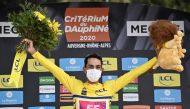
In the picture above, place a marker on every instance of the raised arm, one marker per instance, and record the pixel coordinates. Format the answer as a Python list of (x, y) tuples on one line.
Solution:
[(131, 75), (63, 77)]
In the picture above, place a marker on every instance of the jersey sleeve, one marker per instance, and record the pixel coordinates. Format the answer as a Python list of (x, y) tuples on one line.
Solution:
[(129, 76), (63, 77)]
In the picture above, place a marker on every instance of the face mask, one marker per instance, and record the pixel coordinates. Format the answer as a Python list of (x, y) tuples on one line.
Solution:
[(93, 75)]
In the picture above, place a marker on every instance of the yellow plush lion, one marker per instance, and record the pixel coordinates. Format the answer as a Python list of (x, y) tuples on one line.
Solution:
[(167, 41)]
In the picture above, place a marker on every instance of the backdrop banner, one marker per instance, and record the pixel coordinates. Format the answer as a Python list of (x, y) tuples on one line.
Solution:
[(119, 32)]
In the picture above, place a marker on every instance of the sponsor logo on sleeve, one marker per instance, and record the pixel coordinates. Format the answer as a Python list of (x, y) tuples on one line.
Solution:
[(133, 62), (109, 64), (167, 95), (167, 80), (71, 64), (35, 66), (5, 80), (11, 97)]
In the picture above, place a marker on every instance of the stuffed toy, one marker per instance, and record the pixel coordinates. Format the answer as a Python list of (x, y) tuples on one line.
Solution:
[(167, 41)]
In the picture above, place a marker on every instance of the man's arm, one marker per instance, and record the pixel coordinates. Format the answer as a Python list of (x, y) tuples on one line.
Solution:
[(131, 75), (63, 77)]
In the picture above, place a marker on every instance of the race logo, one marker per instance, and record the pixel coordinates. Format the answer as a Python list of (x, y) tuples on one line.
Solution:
[(5, 82), (89, 25), (167, 79), (109, 64), (35, 66)]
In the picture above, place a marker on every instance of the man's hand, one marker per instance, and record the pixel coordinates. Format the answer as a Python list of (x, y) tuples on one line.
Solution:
[(30, 48)]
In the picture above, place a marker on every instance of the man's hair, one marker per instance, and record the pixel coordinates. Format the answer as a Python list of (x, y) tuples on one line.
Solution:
[(94, 55)]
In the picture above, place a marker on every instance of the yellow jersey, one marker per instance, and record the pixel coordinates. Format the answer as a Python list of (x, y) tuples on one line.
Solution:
[(93, 96)]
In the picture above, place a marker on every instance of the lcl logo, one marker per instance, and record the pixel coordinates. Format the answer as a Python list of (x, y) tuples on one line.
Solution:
[(5, 81), (166, 78)]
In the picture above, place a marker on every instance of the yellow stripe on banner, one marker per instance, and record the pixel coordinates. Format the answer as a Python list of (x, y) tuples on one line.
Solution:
[(18, 63)]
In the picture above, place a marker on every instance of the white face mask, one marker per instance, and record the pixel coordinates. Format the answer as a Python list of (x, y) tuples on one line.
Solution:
[(93, 75)]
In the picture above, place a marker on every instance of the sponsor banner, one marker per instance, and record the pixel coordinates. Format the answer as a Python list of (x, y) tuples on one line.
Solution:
[(167, 95), (35, 66), (114, 107), (107, 78), (109, 64), (66, 98), (42, 107), (66, 107), (47, 89), (46, 80), (166, 80), (7, 30), (130, 97), (87, 25), (71, 64), (11, 97), (64, 90), (47, 98), (136, 107), (141, 28), (131, 88), (11, 108), (115, 97), (5, 82), (168, 107), (132, 62)]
